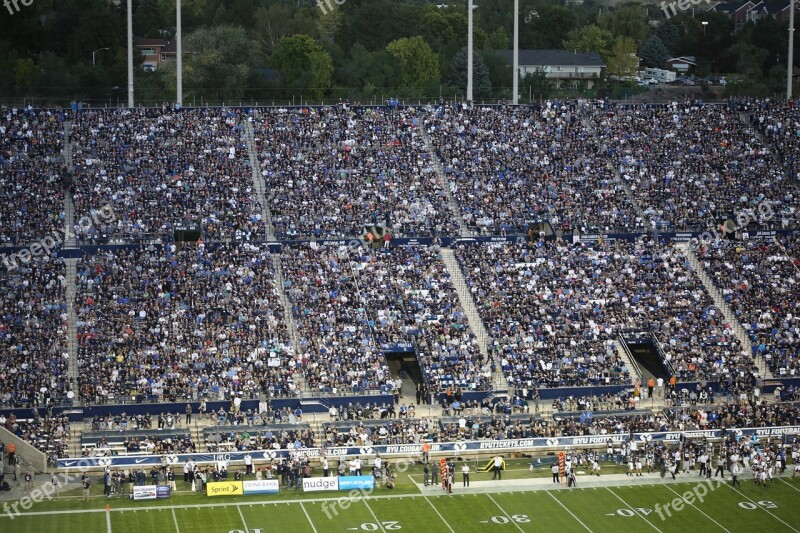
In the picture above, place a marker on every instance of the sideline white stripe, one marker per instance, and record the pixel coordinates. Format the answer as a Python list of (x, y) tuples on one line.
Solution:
[(175, 519), (570, 512), (701, 511), (422, 495), (239, 508), (505, 513), (762, 508), (440, 514), (795, 488), (633, 510), (380, 524), (303, 507)]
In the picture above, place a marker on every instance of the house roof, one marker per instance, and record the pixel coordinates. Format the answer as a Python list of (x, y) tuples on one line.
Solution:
[(689, 60), (165, 45), (776, 6), (730, 7), (554, 57)]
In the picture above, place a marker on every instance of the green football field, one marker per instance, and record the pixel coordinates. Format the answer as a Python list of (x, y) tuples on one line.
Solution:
[(618, 505)]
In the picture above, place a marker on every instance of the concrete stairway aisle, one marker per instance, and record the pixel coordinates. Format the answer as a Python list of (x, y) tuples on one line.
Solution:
[(727, 312), (471, 310), (258, 180), (266, 215), (72, 323), (70, 264), (464, 231), (634, 370), (291, 325), (619, 180)]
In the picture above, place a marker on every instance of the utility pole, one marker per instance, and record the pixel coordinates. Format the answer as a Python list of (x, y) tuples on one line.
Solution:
[(179, 66), (469, 51), (130, 53)]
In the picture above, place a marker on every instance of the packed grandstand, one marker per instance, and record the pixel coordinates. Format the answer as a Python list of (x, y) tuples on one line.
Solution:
[(510, 250)]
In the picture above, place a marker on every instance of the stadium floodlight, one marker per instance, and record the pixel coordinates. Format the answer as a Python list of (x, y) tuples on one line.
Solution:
[(791, 51), (515, 83), (528, 18), (179, 54), (469, 50), (130, 53)]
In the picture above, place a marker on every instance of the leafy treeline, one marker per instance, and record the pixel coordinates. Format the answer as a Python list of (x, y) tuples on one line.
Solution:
[(279, 50)]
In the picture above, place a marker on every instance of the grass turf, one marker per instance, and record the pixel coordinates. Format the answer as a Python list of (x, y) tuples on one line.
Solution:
[(612, 509)]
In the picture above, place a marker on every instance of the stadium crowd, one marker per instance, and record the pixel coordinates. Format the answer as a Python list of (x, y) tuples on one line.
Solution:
[(349, 302), (157, 168), (760, 281), (509, 166), (178, 325), (553, 310), (333, 171), (33, 333), (32, 175), (686, 162), (207, 321)]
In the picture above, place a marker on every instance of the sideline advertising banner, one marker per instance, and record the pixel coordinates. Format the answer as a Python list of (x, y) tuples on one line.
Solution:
[(225, 488), (356, 482), (266, 486), (145, 492), (319, 484), (162, 491)]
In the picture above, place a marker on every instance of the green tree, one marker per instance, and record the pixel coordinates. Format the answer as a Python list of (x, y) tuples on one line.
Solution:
[(499, 39), (653, 52), (481, 83), (590, 38), (298, 58), (419, 65), (669, 34), (622, 59), (629, 21), (220, 63), (538, 84), (25, 71), (547, 30), (750, 60), (276, 22)]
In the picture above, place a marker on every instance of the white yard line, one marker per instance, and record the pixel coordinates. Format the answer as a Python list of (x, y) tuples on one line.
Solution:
[(700, 510), (440, 514), (239, 508), (108, 520), (429, 503), (505, 513), (570, 512), (303, 507), (380, 524), (795, 488), (175, 519), (633, 510), (773, 515)]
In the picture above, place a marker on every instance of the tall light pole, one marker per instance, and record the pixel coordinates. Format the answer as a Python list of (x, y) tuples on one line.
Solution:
[(95, 53), (469, 51), (515, 84), (791, 51), (130, 53), (179, 53)]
